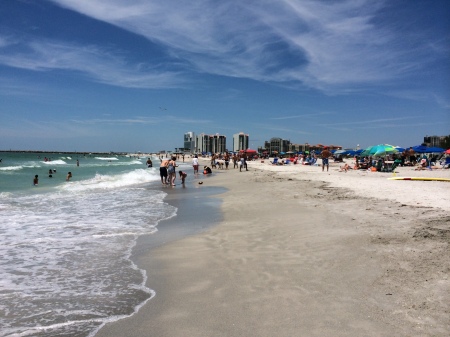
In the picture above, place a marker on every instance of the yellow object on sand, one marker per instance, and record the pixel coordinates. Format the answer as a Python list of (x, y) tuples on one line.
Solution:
[(420, 178)]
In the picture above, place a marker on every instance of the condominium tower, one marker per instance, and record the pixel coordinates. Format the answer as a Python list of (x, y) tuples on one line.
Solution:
[(240, 142)]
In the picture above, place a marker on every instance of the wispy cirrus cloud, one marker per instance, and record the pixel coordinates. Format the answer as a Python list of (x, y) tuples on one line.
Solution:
[(330, 46), (97, 64), (140, 120), (371, 121), (302, 116)]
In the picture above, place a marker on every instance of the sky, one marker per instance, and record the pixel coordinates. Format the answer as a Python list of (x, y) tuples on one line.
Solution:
[(135, 75)]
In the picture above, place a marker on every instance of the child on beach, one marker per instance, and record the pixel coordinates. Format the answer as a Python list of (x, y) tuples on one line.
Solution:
[(183, 176)]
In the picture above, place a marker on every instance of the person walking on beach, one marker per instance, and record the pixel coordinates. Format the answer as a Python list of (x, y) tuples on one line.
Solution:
[(325, 157), (36, 180), (195, 164), (235, 160), (227, 160), (243, 162), (163, 171)]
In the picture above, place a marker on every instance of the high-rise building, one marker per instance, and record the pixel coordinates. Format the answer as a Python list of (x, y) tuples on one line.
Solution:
[(434, 141), (189, 141), (218, 143), (240, 141), (211, 143), (278, 145), (202, 143)]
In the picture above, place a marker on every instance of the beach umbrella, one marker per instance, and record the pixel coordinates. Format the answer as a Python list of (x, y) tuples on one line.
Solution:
[(425, 149), (385, 149), (379, 150), (345, 152), (435, 150)]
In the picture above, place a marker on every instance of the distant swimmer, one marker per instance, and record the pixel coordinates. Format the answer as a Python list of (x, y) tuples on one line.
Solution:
[(149, 163), (69, 175), (36, 180), (78, 162)]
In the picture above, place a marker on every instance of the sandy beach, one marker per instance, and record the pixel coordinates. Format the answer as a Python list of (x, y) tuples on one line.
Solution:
[(301, 252)]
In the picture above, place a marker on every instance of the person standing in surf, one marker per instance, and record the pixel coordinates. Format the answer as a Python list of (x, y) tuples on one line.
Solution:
[(163, 171), (195, 164), (171, 171)]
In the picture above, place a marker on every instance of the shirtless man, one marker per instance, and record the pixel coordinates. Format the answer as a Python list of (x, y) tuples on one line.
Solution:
[(325, 155), (163, 171)]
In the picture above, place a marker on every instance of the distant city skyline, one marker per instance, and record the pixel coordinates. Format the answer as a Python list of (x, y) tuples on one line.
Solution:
[(129, 76)]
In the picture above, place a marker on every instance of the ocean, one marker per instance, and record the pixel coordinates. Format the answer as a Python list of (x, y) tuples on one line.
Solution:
[(65, 246)]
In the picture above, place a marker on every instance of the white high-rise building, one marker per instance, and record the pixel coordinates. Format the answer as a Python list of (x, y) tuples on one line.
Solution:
[(190, 141), (240, 141)]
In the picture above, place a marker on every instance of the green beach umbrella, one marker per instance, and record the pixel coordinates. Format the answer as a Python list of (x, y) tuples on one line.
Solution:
[(379, 150)]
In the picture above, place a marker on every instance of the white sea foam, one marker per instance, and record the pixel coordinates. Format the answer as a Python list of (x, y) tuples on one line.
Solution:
[(65, 255), (11, 168), (135, 177), (106, 158), (54, 162)]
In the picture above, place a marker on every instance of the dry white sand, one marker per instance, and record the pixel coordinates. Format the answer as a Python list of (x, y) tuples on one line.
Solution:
[(302, 252)]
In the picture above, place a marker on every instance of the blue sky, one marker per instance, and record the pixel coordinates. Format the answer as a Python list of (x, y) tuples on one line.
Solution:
[(135, 75)]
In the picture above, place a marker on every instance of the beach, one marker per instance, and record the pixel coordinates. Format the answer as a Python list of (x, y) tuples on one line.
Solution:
[(301, 252)]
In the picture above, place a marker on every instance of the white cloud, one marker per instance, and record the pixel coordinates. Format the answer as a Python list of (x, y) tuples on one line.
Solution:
[(333, 46), (325, 45), (141, 120), (98, 64)]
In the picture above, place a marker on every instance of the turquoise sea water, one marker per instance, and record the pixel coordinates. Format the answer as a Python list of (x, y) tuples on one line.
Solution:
[(65, 246)]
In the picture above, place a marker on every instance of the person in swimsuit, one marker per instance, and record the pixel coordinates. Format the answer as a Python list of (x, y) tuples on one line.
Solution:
[(163, 171)]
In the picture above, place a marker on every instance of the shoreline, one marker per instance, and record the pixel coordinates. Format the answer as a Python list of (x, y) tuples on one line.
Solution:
[(301, 257)]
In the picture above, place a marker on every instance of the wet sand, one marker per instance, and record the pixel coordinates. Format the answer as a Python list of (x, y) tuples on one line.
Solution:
[(300, 252)]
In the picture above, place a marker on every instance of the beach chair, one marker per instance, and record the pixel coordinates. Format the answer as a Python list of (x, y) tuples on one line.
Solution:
[(287, 162), (275, 161), (394, 166), (379, 165)]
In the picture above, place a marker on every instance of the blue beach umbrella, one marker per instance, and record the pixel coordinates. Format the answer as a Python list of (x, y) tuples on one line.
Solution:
[(425, 149)]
